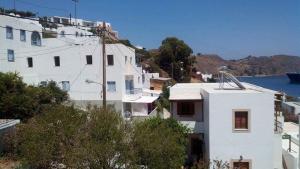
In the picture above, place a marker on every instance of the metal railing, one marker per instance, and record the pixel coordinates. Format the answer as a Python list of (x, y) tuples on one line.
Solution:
[(134, 91), (278, 126)]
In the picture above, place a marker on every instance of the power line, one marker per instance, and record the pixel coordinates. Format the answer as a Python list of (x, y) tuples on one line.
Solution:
[(49, 49), (41, 54)]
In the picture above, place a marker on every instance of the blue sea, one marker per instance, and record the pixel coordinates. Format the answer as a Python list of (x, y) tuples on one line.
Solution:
[(278, 83)]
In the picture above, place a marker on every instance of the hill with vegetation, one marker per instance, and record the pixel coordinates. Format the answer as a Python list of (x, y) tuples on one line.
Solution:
[(249, 66)]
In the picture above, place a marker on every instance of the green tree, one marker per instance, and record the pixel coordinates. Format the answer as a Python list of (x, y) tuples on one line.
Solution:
[(107, 143), (20, 101), (160, 143), (66, 136), (175, 58), (52, 138)]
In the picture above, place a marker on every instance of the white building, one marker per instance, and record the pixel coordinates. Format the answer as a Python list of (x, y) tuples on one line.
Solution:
[(72, 60), (229, 124), (82, 24)]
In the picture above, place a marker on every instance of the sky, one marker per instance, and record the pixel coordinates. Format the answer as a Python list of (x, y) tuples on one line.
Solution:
[(230, 28)]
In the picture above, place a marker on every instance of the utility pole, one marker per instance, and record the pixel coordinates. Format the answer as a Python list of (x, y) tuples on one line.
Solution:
[(102, 35), (75, 14), (15, 5)]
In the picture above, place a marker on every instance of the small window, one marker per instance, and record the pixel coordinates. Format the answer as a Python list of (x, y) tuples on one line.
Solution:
[(241, 120), (130, 60), (89, 59), (22, 35), (65, 85), (139, 79), (36, 39), (143, 78), (185, 108), (111, 86), (125, 59), (110, 60), (10, 55), (62, 34), (241, 165), (9, 32), (30, 62), (56, 61)]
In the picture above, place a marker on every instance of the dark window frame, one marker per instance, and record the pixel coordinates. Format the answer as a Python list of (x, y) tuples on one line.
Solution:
[(241, 120), (30, 62), (89, 59), (9, 29), (110, 60), (22, 35), (12, 52), (185, 108), (56, 61)]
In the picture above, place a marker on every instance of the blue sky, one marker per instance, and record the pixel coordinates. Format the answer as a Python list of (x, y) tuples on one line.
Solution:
[(229, 28)]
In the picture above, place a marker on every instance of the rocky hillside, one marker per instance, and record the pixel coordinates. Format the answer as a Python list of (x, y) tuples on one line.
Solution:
[(249, 66)]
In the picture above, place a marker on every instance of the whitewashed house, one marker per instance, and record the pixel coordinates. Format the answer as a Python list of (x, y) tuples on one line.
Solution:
[(72, 61), (229, 123)]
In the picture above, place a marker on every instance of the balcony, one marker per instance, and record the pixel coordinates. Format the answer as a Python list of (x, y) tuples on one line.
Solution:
[(133, 94)]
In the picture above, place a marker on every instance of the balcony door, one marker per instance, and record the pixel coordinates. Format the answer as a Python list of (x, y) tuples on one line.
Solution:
[(129, 85)]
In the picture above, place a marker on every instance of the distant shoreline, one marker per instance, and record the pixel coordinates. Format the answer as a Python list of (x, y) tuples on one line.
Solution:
[(262, 75)]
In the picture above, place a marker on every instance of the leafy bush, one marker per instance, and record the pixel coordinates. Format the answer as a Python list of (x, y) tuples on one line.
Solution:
[(20, 101)]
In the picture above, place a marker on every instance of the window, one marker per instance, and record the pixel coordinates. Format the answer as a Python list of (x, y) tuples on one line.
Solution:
[(111, 86), (241, 165), (36, 39), (9, 32), (22, 35), (139, 79), (65, 85), (125, 59), (30, 62), (241, 120), (10, 55), (130, 60), (62, 34), (76, 34), (185, 108), (89, 59), (56, 61), (110, 60)]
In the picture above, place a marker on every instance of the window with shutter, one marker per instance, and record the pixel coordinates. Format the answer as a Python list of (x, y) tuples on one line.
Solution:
[(241, 120)]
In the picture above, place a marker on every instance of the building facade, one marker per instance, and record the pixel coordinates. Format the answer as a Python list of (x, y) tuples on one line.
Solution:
[(74, 62), (229, 124)]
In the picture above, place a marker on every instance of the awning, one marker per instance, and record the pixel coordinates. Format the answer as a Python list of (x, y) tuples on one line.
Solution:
[(187, 96), (143, 99)]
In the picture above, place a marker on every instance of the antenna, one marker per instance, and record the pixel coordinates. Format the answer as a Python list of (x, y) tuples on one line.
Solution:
[(225, 77)]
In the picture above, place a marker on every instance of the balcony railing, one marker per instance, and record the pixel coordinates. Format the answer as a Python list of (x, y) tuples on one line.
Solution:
[(134, 93), (278, 127)]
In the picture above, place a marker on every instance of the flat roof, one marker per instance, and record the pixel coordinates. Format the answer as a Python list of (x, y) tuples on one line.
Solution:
[(227, 88)]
